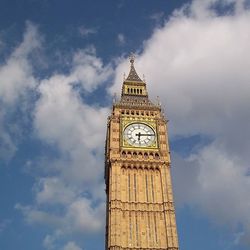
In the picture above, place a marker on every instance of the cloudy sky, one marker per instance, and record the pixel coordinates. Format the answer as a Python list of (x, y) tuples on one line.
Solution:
[(61, 62)]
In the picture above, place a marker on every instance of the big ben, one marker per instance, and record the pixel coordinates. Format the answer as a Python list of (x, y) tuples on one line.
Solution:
[(140, 210)]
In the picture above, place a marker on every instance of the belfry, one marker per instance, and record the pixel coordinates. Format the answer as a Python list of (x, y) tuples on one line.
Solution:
[(140, 210)]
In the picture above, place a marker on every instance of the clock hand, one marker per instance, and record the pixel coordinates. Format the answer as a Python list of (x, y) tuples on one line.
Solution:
[(139, 136), (146, 134)]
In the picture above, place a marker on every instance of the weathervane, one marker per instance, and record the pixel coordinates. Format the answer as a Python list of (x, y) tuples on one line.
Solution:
[(132, 58)]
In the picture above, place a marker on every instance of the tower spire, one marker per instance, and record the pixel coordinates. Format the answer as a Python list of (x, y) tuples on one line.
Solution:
[(133, 85), (133, 76)]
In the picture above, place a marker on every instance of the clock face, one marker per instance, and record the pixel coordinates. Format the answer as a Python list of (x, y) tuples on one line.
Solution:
[(139, 135)]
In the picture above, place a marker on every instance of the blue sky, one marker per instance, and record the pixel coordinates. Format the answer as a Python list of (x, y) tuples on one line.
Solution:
[(61, 62)]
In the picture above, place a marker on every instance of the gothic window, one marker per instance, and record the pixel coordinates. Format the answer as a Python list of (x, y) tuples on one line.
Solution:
[(130, 228), (137, 233), (152, 186), (148, 228), (140, 91), (146, 183), (135, 186), (156, 240), (129, 187)]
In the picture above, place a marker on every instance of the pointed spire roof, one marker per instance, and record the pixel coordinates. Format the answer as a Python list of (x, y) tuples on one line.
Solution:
[(133, 85), (134, 91), (133, 76)]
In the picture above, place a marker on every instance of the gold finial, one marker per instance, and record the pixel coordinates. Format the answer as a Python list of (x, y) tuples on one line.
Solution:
[(132, 58)]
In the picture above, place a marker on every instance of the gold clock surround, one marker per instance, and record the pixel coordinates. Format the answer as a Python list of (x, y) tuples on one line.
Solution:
[(127, 122)]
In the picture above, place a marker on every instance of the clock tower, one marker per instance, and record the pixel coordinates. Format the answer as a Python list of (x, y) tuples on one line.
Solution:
[(140, 209)]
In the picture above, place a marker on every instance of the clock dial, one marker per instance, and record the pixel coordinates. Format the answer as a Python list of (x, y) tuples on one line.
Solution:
[(139, 135)]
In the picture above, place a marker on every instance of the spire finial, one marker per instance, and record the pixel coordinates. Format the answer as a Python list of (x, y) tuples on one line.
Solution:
[(132, 76), (132, 58)]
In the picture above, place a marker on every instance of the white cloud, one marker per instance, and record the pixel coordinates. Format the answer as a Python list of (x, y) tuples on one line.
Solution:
[(7, 145), (33, 215), (71, 246), (83, 217), (198, 63), (16, 74), (217, 183), (84, 31), (16, 82), (52, 190), (77, 131), (158, 17), (48, 242), (4, 224), (121, 39), (76, 128), (89, 70)]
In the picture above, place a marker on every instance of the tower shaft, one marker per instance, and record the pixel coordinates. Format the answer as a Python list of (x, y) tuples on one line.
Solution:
[(140, 208)]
